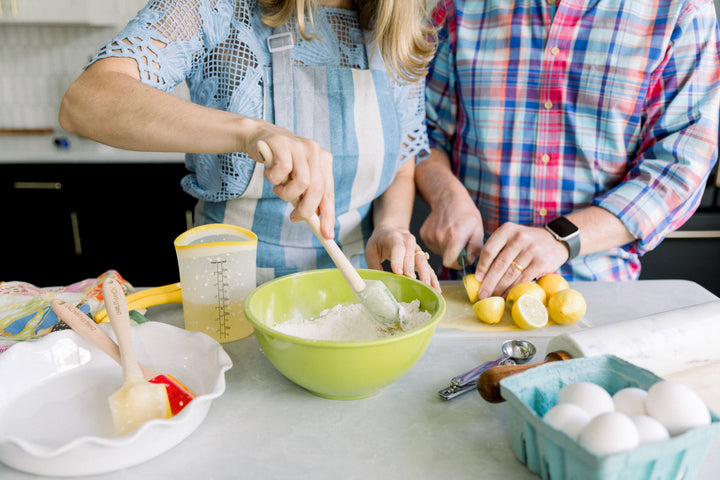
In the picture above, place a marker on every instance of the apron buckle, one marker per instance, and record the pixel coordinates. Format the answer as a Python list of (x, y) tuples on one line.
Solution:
[(280, 41)]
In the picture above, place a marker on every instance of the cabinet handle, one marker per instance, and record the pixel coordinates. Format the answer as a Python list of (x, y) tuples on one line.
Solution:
[(694, 234), (76, 233), (37, 185)]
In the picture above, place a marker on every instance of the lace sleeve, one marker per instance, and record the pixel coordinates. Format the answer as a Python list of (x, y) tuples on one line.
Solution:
[(168, 38), (410, 99)]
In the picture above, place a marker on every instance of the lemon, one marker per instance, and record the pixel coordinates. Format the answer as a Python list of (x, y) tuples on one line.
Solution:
[(472, 287), (528, 312), (520, 289), (566, 306), (551, 283), (490, 310)]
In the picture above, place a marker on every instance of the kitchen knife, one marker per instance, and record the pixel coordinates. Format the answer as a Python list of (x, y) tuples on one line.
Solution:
[(462, 260)]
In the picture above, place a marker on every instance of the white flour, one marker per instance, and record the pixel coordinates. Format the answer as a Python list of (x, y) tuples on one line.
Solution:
[(349, 322)]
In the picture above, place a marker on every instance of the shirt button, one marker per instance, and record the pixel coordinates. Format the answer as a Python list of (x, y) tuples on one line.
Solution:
[(542, 212), (555, 50), (545, 158), (548, 105)]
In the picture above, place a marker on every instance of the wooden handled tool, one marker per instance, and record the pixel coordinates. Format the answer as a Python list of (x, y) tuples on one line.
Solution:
[(178, 394), (489, 382), (138, 400)]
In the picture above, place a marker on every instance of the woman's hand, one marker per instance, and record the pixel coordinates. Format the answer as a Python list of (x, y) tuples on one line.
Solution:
[(300, 170), (401, 249)]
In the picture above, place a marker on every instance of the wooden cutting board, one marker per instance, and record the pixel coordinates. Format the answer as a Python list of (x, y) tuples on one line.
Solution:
[(459, 314)]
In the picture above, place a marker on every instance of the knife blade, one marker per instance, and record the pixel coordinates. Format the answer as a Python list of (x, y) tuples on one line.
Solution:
[(462, 260)]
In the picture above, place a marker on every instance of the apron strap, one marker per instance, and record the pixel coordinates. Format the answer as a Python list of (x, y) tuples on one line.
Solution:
[(280, 44)]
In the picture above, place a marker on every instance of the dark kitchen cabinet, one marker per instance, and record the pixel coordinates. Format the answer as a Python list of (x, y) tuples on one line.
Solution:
[(66, 222)]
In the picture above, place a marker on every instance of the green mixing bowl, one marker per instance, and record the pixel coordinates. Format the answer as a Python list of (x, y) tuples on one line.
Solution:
[(336, 369)]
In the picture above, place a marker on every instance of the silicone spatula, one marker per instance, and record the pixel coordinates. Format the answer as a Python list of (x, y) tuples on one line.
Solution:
[(137, 401), (178, 394)]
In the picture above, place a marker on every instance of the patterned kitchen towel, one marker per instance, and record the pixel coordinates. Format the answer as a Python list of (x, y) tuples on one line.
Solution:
[(25, 311)]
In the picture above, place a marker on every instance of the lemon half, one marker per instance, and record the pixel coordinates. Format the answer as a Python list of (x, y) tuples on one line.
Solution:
[(490, 310), (472, 287), (529, 313)]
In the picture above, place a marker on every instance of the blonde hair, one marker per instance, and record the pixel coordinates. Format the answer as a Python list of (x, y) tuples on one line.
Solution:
[(400, 28)]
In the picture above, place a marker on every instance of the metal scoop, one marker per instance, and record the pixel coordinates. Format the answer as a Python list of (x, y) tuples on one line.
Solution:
[(514, 351)]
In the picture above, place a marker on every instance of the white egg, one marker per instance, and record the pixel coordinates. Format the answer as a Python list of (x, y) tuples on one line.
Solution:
[(608, 433), (630, 401), (649, 429), (591, 397), (567, 417), (676, 406)]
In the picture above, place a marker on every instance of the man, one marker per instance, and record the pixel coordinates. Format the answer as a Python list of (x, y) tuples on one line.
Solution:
[(567, 136)]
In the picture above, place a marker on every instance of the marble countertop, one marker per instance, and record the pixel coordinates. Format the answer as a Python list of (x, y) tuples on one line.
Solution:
[(43, 149), (266, 427)]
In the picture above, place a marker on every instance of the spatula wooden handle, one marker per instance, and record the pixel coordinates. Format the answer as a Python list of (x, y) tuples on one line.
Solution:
[(117, 309), (341, 261), (90, 331), (489, 382)]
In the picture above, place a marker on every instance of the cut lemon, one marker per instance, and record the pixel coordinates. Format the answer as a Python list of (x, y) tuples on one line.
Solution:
[(472, 287), (490, 310), (529, 313), (566, 306), (520, 289), (552, 283)]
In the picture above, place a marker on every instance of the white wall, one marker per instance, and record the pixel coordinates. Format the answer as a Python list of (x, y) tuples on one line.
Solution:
[(38, 63)]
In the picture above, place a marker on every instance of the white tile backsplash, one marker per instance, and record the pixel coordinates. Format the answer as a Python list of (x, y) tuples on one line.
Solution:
[(38, 63)]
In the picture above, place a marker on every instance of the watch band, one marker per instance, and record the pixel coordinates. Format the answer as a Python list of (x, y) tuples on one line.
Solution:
[(573, 244), (565, 231)]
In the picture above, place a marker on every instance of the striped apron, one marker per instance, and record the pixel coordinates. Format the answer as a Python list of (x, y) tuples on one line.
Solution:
[(348, 112)]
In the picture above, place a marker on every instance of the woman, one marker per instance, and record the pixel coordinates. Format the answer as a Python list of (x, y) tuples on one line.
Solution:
[(343, 125)]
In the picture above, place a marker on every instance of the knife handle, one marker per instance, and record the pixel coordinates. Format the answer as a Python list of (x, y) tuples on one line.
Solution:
[(489, 382)]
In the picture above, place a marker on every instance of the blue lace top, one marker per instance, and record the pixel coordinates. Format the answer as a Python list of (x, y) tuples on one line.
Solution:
[(219, 47)]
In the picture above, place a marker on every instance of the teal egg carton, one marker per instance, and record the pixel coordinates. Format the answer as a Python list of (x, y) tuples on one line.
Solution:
[(552, 454)]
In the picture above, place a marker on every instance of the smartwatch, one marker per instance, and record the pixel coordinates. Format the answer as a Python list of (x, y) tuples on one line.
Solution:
[(567, 232)]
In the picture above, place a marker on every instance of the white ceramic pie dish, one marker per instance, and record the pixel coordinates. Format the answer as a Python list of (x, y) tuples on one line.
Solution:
[(54, 413)]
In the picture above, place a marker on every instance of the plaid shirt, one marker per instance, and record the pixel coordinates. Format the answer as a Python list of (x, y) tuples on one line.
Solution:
[(546, 110)]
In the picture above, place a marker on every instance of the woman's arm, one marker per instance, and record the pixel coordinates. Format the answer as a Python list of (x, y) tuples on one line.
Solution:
[(391, 238), (108, 103)]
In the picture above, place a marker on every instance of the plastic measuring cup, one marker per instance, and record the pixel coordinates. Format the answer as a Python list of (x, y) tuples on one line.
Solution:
[(217, 272)]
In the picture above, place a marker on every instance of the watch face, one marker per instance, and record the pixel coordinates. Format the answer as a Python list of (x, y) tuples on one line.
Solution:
[(562, 227)]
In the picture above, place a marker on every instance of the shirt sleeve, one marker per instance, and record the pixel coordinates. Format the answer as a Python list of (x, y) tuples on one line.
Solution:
[(664, 186), (183, 28), (441, 100)]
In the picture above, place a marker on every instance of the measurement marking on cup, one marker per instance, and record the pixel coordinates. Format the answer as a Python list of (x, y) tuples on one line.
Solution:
[(223, 314)]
